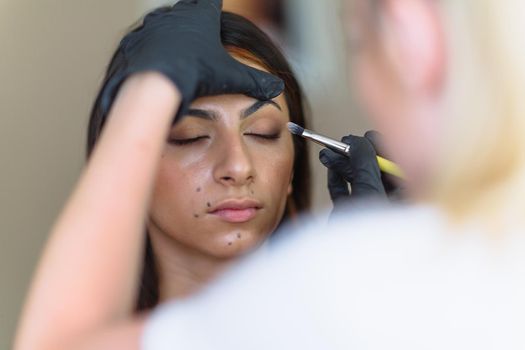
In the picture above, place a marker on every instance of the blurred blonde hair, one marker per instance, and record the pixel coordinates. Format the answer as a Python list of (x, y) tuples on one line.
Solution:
[(481, 170)]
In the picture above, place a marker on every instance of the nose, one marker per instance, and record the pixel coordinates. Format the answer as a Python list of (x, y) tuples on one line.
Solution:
[(234, 166)]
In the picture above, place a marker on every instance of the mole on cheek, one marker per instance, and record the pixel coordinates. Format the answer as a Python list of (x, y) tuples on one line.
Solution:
[(239, 235), (196, 216), (229, 243), (198, 189), (208, 204)]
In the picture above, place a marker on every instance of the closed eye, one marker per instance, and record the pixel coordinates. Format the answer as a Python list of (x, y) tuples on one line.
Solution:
[(188, 141), (274, 136)]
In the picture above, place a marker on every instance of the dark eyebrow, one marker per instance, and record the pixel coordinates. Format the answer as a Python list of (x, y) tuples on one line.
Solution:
[(258, 105), (210, 115), (201, 113)]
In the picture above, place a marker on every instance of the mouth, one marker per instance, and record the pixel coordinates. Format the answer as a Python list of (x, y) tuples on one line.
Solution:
[(236, 210)]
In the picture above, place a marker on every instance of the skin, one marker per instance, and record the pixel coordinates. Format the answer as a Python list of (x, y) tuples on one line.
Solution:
[(205, 162), (95, 248)]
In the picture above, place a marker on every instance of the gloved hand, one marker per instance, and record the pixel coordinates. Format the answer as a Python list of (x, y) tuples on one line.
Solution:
[(183, 43), (360, 170), (392, 184)]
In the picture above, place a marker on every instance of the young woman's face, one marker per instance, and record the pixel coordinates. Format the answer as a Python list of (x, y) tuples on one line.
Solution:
[(225, 175)]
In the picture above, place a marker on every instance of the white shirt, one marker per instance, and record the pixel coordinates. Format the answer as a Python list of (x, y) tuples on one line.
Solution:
[(393, 279)]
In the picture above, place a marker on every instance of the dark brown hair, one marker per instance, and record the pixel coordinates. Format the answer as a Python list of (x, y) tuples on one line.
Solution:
[(243, 38)]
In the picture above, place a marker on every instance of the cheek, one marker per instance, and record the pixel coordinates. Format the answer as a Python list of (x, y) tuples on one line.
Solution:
[(274, 170), (178, 187)]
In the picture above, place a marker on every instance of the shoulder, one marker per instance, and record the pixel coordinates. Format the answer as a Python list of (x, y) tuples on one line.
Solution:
[(393, 229), (378, 279), (287, 291)]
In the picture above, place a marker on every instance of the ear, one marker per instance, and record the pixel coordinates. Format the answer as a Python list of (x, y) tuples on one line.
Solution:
[(415, 42)]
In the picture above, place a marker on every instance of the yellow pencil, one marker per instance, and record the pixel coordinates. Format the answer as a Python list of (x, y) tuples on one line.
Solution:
[(389, 167)]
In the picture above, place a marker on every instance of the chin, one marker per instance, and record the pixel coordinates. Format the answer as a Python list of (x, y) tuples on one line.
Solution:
[(236, 244)]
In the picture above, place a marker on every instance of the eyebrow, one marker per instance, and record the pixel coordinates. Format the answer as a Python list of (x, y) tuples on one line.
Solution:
[(201, 113), (211, 115), (258, 105)]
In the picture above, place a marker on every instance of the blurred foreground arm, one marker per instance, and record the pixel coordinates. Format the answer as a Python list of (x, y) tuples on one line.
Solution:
[(84, 289), (87, 277)]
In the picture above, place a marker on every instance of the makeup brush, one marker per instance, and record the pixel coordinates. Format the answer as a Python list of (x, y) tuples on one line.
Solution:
[(385, 165)]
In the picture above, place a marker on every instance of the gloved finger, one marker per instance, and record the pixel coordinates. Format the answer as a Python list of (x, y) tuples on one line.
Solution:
[(390, 182), (216, 4), (252, 82), (337, 186), (153, 15), (360, 147), (187, 2), (335, 162), (339, 173), (262, 85), (375, 139)]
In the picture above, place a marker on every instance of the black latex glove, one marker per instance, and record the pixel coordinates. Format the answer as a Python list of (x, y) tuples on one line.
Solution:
[(360, 170), (393, 185), (183, 43)]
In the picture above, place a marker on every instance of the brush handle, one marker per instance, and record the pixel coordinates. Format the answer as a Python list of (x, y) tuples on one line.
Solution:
[(385, 165), (389, 167)]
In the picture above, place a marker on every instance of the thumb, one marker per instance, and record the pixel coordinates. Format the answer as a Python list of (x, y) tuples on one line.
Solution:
[(254, 83), (216, 4)]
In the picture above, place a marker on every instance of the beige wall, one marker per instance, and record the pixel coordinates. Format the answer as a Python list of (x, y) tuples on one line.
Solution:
[(52, 55)]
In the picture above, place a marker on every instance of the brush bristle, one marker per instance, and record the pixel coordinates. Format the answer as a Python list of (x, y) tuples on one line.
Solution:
[(295, 129)]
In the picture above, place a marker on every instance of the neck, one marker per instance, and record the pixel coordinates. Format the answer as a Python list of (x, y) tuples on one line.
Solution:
[(181, 269)]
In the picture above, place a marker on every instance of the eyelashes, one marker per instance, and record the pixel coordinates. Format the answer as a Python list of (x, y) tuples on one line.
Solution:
[(198, 139), (273, 136), (188, 141)]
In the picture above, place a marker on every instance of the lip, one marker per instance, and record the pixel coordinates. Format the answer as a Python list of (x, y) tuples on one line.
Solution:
[(236, 210)]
